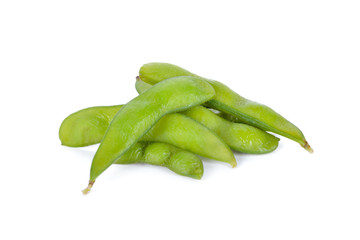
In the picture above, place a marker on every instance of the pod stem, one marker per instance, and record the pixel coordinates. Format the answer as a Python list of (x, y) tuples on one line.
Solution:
[(307, 147), (88, 188)]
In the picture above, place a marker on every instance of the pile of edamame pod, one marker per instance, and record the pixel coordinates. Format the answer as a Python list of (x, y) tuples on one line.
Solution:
[(176, 117)]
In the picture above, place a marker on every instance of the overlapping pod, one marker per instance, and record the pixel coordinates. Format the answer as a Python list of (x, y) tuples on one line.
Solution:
[(230, 102), (240, 137), (137, 117), (177, 160), (88, 126)]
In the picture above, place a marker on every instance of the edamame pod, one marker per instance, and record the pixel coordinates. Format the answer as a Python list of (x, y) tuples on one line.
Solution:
[(182, 131), (228, 101), (84, 126), (137, 117), (177, 160), (240, 137), (87, 126)]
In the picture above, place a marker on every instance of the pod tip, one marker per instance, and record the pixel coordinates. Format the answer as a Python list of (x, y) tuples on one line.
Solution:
[(233, 164), (307, 147), (195, 176), (88, 188)]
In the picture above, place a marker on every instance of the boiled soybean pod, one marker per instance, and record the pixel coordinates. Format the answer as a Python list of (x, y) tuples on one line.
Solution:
[(89, 126), (239, 137), (137, 117), (161, 154), (186, 133), (230, 102)]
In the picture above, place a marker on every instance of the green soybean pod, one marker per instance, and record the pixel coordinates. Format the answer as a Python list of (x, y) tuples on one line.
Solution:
[(186, 133), (161, 154), (230, 102), (88, 126), (137, 117), (240, 137)]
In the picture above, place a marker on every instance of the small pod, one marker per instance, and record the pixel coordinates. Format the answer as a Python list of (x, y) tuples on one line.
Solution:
[(161, 154), (230, 102)]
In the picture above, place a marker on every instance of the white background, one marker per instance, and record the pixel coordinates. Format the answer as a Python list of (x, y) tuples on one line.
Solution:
[(302, 58)]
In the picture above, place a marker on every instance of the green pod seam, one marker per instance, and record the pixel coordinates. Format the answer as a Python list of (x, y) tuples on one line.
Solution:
[(161, 154), (137, 117), (229, 117), (239, 137), (83, 127), (228, 101)]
